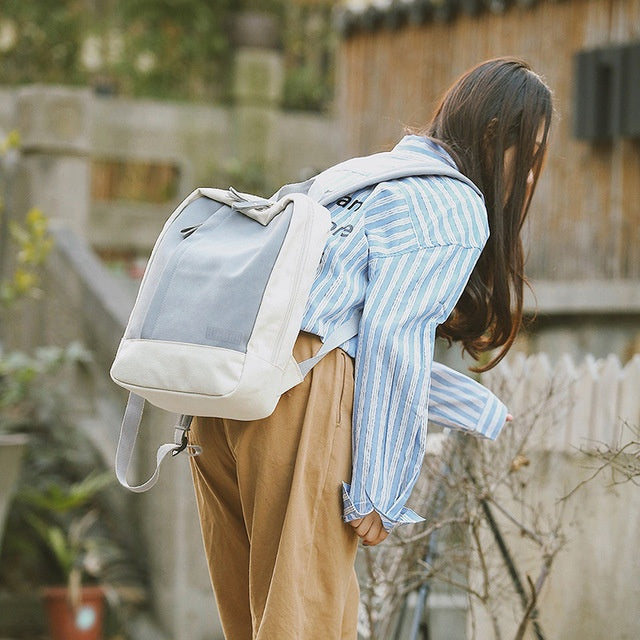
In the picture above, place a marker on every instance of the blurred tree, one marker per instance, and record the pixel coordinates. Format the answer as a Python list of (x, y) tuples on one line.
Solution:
[(176, 49), (40, 41)]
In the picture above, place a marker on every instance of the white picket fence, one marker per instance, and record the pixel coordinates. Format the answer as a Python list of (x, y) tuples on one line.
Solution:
[(567, 417), (593, 403)]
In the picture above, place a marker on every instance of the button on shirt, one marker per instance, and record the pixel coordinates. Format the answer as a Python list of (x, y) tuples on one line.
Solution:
[(400, 254)]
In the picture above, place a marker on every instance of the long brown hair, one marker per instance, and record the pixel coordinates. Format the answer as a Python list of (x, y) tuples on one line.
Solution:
[(497, 105)]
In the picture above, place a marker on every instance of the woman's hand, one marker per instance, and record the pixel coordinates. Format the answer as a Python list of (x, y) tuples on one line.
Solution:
[(370, 529)]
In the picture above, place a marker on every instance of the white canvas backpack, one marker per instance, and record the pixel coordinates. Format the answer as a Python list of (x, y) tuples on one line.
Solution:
[(222, 298)]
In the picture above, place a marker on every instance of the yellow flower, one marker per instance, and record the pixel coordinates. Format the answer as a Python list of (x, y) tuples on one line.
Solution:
[(23, 280)]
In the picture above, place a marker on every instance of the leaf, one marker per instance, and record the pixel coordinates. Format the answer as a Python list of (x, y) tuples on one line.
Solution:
[(91, 485), (58, 499)]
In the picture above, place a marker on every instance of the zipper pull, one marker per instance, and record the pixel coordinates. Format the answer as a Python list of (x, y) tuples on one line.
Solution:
[(187, 231)]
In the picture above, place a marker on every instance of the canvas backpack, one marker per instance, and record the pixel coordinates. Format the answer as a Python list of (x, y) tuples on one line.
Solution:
[(222, 299)]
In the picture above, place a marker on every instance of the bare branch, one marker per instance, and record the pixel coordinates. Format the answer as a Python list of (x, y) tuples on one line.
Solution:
[(526, 617), (521, 527)]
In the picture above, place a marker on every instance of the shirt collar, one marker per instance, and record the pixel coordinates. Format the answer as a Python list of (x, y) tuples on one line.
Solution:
[(425, 146)]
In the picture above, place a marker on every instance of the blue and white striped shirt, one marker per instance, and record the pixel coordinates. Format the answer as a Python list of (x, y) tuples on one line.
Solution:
[(400, 253)]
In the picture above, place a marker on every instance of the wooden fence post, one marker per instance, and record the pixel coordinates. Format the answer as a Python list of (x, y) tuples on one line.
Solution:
[(584, 406)]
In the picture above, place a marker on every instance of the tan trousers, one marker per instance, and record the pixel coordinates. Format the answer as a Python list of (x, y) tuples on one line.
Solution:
[(269, 497)]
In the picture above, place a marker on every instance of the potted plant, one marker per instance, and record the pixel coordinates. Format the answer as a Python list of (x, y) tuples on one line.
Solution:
[(60, 526), (32, 245), (66, 522), (66, 528)]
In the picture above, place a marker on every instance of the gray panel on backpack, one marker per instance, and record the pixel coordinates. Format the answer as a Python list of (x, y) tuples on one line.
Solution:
[(191, 216), (210, 289)]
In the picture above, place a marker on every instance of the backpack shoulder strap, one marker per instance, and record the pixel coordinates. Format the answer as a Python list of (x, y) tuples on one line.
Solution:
[(358, 173)]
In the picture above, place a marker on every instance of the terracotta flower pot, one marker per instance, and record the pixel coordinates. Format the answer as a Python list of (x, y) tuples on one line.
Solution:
[(84, 622)]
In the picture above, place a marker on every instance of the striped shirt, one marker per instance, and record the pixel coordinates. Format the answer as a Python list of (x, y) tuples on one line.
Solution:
[(400, 254)]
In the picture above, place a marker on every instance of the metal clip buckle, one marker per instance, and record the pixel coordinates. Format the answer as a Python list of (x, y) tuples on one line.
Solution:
[(184, 443), (183, 426)]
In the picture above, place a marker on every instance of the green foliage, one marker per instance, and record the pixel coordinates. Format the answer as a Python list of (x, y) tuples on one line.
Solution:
[(173, 48), (34, 245), (56, 498), (64, 527), (60, 527), (309, 49), (27, 389), (249, 177), (66, 523), (160, 48), (64, 518), (10, 142), (177, 49), (50, 525), (305, 90), (31, 239), (39, 35)]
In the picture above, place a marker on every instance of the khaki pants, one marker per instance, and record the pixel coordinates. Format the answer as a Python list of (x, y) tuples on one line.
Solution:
[(269, 497)]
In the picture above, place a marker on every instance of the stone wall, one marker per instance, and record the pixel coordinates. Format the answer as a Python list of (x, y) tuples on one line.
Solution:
[(67, 132)]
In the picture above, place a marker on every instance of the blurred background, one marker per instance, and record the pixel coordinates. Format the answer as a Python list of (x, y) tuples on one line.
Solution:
[(112, 111)]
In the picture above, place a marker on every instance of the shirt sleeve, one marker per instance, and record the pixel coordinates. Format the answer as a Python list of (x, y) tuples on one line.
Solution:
[(459, 402), (408, 295)]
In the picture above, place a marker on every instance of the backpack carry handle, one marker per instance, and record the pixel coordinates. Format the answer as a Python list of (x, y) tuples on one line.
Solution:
[(128, 434), (259, 209)]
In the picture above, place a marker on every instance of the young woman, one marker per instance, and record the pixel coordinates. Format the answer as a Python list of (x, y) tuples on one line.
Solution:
[(283, 501)]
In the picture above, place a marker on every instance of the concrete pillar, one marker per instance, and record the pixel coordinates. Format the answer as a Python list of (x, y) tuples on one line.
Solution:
[(257, 91), (55, 129)]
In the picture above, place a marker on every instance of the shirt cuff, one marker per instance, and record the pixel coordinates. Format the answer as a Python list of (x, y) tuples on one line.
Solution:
[(353, 511), (492, 419), (461, 403)]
